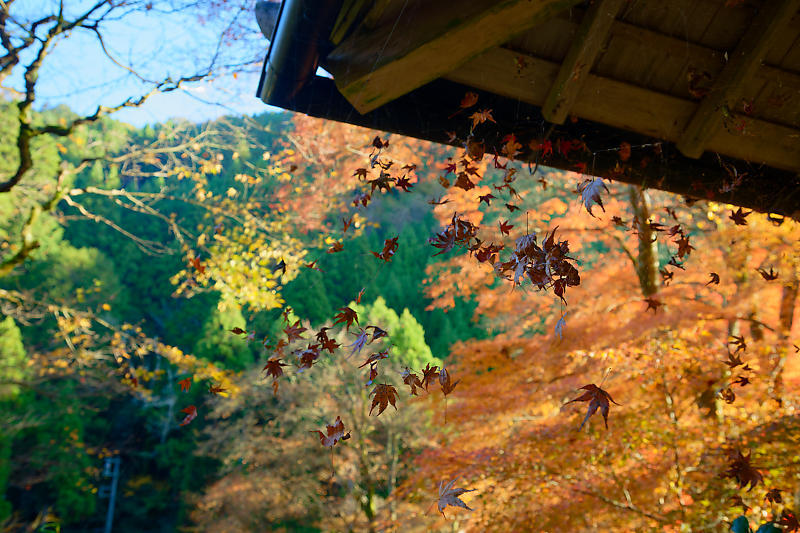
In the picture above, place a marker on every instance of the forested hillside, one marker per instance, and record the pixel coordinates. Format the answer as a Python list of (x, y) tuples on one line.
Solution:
[(280, 323), (121, 262)]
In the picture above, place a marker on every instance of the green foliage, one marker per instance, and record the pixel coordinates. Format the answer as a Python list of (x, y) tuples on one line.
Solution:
[(12, 359), (407, 338), (216, 343)]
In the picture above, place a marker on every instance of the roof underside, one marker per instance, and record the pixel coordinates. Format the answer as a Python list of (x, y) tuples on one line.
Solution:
[(715, 84)]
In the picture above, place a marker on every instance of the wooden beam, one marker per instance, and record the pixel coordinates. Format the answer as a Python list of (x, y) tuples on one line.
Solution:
[(586, 46), (774, 16), (347, 16), (628, 107), (425, 41)]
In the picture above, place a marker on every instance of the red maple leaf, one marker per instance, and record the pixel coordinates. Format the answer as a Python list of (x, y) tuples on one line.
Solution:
[(383, 396), (505, 227), (598, 399), (412, 380), (346, 316), (333, 433), (294, 331), (191, 414), (185, 384), (742, 471), (389, 249)]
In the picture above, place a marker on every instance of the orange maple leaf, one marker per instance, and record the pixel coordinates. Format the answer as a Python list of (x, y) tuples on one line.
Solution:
[(479, 117)]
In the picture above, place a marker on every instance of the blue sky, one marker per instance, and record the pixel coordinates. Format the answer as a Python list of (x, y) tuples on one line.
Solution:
[(78, 73)]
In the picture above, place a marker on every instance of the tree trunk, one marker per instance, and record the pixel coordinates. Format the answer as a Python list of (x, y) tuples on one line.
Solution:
[(647, 259), (786, 319)]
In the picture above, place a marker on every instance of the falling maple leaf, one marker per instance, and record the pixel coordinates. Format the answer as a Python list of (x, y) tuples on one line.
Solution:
[(185, 384), (429, 373), (238, 331), (742, 471), (591, 190), (739, 342), (450, 496), (280, 266), (559, 329), (375, 357), (789, 521), (377, 333), (389, 249), (769, 276), (346, 224), (684, 248), (512, 207), (333, 433), (191, 414), (274, 369), (383, 396), (741, 381), (479, 117), (199, 267), (598, 399), (444, 381), (505, 227), (739, 216), (336, 247), (346, 316), (404, 183), (653, 303), (216, 390), (412, 380), (733, 360), (487, 198), (361, 340), (294, 331), (774, 496), (714, 279)]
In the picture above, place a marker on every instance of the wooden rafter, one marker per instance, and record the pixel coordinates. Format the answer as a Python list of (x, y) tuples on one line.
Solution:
[(580, 58), (628, 107), (429, 39), (774, 16)]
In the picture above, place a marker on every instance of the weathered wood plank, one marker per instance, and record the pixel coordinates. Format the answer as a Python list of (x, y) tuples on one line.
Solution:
[(629, 107), (741, 66), (347, 16), (592, 33), (376, 66)]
